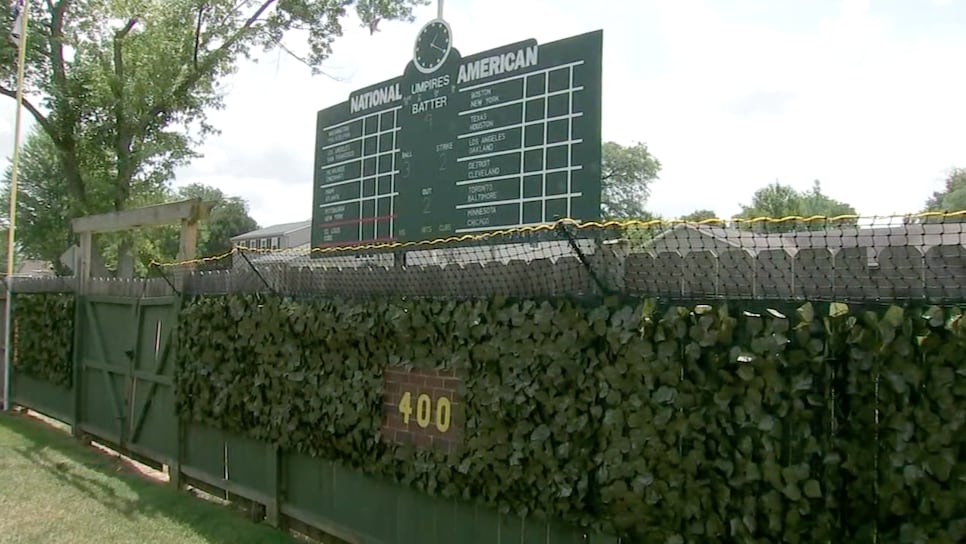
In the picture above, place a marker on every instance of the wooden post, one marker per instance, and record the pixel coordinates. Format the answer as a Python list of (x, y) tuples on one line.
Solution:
[(273, 508), (84, 261), (78, 375), (174, 469), (82, 271), (186, 212), (187, 250)]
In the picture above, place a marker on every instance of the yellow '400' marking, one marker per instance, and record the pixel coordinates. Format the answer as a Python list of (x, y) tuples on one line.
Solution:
[(424, 411)]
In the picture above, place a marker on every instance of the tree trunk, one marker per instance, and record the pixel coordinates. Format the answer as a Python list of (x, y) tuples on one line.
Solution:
[(122, 194), (72, 170), (125, 256)]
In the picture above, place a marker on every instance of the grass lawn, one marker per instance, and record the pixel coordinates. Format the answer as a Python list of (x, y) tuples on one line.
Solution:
[(54, 489)]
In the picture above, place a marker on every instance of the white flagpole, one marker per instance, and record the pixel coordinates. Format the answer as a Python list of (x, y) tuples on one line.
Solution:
[(12, 226), (439, 9)]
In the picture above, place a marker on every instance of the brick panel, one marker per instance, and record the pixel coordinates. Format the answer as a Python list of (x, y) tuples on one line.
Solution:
[(431, 399)]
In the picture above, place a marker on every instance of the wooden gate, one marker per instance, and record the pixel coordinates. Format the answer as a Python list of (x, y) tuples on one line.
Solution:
[(125, 354)]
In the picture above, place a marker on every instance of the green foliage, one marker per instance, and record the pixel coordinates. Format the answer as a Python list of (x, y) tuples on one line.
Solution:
[(123, 89), (626, 175), (699, 215), (228, 218), (679, 424), (43, 205), (43, 233), (277, 369), (917, 356), (952, 198), (777, 200), (44, 325), (718, 428)]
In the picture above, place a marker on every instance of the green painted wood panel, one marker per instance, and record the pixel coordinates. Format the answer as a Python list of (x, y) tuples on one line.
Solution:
[(247, 462), (41, 396), (107, 330), (153, 421), (204, 449), (302, 482), (379, 511)]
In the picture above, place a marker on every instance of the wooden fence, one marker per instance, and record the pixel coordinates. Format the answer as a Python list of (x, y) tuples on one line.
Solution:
[(122, 395)]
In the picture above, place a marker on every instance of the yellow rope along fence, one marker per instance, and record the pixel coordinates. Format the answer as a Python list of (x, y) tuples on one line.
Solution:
[(918, 257)]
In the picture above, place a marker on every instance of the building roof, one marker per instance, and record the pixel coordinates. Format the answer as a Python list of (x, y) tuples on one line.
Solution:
[(34, 267), (274, 230)]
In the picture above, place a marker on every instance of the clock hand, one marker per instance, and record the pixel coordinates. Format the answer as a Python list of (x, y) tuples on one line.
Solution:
[(433, 45)]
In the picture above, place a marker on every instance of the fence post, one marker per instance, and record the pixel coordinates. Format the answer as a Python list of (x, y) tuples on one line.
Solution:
[(273, 508), (6, 388), (78, 365), (174, 469)]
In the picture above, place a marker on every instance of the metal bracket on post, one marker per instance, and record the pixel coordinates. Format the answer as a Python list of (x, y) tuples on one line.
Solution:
[(583, 259), (258, 273), (399, 259)]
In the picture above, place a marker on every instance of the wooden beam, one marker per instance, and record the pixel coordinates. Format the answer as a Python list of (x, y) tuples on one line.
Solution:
[(188, 243), (83, 268), (187, 249), (149, 216)]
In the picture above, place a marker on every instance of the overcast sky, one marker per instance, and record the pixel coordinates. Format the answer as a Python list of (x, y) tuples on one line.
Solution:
[(868, 96)]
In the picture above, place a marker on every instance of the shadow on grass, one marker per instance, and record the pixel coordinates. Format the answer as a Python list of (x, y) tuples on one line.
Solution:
[(117, 486), (93, 488)]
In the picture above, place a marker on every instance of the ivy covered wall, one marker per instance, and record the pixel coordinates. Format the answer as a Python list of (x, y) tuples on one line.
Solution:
[(43, 340), (672, 424)]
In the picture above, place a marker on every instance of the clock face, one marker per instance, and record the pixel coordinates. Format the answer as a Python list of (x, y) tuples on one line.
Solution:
[(432, 46)]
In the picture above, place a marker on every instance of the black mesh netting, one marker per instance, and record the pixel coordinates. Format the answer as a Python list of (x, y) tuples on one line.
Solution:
[(891, 258)]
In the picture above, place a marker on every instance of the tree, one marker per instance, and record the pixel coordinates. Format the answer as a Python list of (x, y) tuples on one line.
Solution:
[(127, 84), (44, 208), (18, 254), (42, 205), (228, 218), (43, 230), (626, 175), (777, 201), (953, 196), (699, 215), (814, 203)]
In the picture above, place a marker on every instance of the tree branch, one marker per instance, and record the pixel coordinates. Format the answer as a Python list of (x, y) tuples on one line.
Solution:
[(123, 134), (39, 117), (306, 62), (201, 13), (57, 44), (234, 8), (63, 108), (199, 71), (121, 34)]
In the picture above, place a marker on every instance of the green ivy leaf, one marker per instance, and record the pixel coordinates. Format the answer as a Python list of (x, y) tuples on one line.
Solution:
[(838, 309), (812, 489), (893, 317), (806, 312), (540, 434)]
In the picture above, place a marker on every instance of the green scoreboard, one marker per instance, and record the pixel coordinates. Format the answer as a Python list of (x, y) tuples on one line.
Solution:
[(500, 139)]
